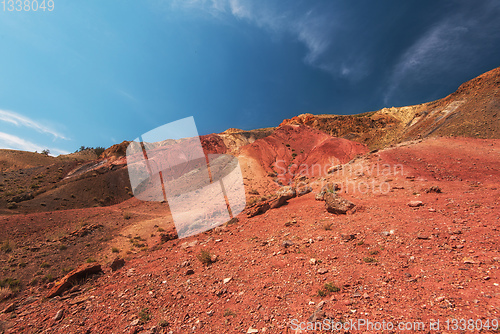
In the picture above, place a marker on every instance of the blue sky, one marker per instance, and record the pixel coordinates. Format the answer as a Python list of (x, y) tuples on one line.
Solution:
[(95, 72)]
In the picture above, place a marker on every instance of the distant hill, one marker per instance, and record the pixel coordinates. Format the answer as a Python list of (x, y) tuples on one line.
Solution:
[(472, 111)]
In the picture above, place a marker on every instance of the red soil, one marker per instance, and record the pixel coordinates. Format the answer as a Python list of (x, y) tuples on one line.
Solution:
[(391, 262)]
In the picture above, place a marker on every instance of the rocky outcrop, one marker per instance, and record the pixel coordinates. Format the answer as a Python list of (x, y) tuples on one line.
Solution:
[(81, 272), (336, 204)]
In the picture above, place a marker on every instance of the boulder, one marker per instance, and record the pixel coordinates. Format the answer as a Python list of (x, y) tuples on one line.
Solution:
[(336, 204), (258, 209), (117, 264), (81, 272), (415, 204), (283, 195), (327, 188)]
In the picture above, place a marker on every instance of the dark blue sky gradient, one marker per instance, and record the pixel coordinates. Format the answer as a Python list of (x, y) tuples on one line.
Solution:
[(95, 73)]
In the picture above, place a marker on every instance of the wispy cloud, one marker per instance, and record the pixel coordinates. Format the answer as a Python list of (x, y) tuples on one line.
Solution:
[(312, 25), (20, 120), (452, 45), (9, 141)]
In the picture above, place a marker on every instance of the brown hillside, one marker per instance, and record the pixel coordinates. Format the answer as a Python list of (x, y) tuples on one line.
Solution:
[(472, 111)]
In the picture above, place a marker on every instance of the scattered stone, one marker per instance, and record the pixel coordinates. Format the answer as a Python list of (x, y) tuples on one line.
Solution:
[(167, 236), (22, 198), (79, 273), (322, 271), (283, 195), (336, 204), (434, 189), (303, 189), (415, 204), (313, 261), (423, 237), (287, 243), (213, 258), (318, 313), (189, 272), (187, 244), (227, 280), (327, 188), (334, 169), (59, 315), (135, 322), (258, 209), (11, 307), (252, 330), (117, 264), (347, 237)]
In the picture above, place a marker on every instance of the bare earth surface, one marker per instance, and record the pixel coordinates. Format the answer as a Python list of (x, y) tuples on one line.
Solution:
[(436, 258)]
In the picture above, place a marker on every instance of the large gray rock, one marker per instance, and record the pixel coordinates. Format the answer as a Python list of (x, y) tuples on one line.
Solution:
[(283, 195), (336, 204), (327, 188)]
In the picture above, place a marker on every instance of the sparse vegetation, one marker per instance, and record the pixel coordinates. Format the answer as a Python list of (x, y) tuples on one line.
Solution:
[(127, 215), (6, 246), (322, 293), (330, 287), (205, 257), (374, 252), (327, 226), (62, 247), (145, 314), (91, 260), (97, 150), (369, 260), (48, 278), (163, 323), (5, 293), (12, 283), (44, 265), (115, 250), (229, 313)]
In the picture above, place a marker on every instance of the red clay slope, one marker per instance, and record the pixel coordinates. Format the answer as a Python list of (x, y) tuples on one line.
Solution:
[(291, 148), (391, 262)]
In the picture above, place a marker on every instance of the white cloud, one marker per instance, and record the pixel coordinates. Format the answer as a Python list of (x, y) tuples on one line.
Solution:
[(12, 142), (9, 141), (20, 120), (450, 46), (311, 25)]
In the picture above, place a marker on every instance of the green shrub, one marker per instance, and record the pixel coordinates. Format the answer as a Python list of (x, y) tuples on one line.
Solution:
[(205, 257), (6, 246), (322, 293), (144, 314), (369, 260), (229, 313), (330, 287)]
